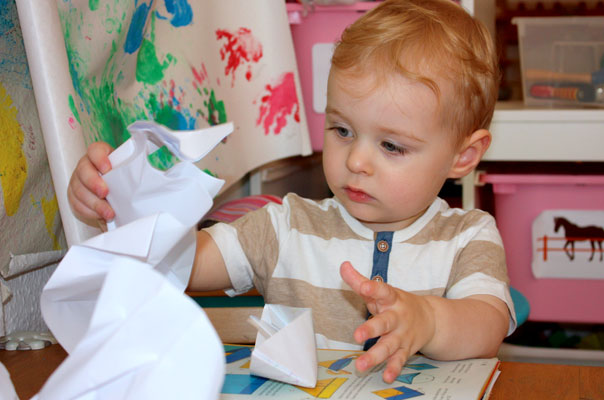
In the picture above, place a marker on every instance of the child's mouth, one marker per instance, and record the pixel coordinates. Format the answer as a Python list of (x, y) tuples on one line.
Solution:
[(357, 195)]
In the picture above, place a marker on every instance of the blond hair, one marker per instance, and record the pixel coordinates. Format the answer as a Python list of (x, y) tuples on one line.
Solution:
[(426, 41)]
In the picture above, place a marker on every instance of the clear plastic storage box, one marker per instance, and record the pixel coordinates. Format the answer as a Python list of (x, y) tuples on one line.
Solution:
[(562, 60)]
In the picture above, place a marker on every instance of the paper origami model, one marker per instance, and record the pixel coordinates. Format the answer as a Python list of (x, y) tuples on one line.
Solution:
[(116, 302), (285, 346)]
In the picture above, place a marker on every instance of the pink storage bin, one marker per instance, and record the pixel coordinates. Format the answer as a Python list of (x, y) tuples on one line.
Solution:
[(322, 24), (518, 200)]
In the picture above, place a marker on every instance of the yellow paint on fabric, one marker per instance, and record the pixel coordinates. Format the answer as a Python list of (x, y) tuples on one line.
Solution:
[(13, 164), (50, 208)]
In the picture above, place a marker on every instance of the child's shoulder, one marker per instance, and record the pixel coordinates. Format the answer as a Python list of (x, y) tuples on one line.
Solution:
[(295, 201), (325, 217), (458, 226), (462, 217)]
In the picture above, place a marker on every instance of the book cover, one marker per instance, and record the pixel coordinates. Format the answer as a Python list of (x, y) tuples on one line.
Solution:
[(421, 378)]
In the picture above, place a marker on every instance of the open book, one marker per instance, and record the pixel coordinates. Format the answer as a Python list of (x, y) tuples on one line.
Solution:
[(421, 378)]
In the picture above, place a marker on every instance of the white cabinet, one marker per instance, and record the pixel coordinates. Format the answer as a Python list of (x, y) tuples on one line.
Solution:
[(536, 134)]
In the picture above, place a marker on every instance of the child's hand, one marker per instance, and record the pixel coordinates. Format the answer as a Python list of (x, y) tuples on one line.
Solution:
[(87, 189), (404, 322)]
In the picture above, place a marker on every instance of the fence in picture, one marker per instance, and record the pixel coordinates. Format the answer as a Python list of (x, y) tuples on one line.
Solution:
[(573, 233)]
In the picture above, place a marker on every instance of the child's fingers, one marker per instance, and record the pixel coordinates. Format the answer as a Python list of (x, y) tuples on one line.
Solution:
[(103, 208), (370, 290), (98, 153), (87, 191), (352, 277), (382, 350), (379, 325), (87, 204), (87, 175), (395, 365), (382, 293), (80, 208)]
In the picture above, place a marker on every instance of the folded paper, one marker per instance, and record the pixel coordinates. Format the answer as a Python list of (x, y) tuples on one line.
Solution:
[(7, 390), (285, 349), (137, 189), (116, 302), (146, 340)]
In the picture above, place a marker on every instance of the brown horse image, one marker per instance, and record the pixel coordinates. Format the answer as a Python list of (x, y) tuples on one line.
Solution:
[(593, 234)]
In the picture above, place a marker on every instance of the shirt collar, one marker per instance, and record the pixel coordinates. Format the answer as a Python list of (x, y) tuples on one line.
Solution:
[(400, 235)]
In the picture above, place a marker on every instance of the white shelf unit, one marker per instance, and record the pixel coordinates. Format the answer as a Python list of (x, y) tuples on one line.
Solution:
[(523, 133), (520, 133)]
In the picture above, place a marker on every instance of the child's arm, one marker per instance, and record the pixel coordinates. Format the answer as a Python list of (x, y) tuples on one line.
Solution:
[(87, 190), (440, 328), (209, 270)]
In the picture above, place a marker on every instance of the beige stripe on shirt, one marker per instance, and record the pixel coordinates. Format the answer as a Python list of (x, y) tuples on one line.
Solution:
[(446, 227), (309, 218), (336, 313)]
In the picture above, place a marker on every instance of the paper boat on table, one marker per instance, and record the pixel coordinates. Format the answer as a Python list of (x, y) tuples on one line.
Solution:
[(290, 354)]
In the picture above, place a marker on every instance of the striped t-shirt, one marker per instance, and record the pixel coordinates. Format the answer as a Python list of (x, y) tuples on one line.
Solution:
[(292, 254)]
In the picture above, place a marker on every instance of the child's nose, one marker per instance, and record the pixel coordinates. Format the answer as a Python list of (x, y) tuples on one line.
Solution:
[(359, 159)]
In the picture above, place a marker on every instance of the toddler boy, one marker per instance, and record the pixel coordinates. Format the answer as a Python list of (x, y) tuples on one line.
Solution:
[(410, 97)]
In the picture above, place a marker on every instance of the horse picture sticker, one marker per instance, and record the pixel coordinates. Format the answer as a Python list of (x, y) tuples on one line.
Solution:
[(568, 244)]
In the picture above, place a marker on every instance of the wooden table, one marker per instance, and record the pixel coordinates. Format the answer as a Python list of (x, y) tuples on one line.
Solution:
[(30, 369)]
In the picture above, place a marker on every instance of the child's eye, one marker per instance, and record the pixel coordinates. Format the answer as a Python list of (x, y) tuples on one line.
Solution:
[(341, 131), (393, 148)]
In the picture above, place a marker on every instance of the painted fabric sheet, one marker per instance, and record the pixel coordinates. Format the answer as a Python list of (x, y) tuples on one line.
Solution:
[(188, 65), (29, 213), (184, 64)]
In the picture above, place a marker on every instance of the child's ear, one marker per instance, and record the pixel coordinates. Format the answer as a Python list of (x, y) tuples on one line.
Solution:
[(470, 153)]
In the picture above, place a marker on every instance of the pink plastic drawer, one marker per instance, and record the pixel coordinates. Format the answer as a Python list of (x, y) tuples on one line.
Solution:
[(518, 200), (322, 24)]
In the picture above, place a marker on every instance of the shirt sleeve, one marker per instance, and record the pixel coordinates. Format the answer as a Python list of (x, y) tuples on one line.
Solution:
[(480, 267), (248, 247)]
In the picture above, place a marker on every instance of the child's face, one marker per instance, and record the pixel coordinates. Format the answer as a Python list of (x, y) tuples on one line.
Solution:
[(386, 154)]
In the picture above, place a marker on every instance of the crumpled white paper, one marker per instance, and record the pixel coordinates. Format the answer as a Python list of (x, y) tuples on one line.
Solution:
[(290, 354), (7, 390), (116, 302), (136, 189), (146, 340)]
